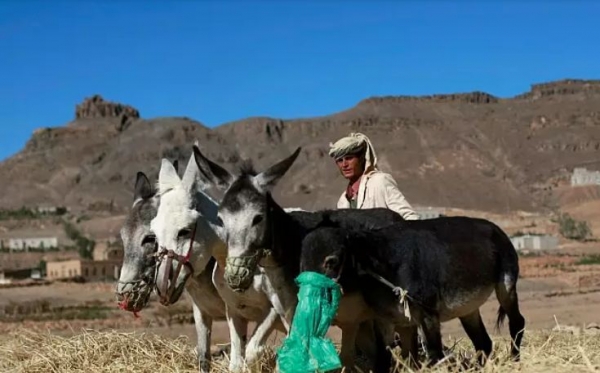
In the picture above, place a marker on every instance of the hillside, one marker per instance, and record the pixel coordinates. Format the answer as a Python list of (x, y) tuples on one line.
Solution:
[(472, 150)]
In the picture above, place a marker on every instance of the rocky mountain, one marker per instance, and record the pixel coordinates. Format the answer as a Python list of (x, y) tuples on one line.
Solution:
[(466, 150)]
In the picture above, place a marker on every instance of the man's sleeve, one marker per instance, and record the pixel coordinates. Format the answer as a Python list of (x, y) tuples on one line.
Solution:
[(396, 201)]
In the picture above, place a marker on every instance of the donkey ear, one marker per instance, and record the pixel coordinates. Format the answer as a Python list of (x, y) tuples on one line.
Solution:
[(190, 175), (212, 172), (143, 189), (167, 177), (269, 178)]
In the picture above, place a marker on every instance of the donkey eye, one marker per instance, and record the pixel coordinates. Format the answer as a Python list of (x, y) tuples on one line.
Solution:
[(149, 239), (219, 221), (184, 232), (257, 219)]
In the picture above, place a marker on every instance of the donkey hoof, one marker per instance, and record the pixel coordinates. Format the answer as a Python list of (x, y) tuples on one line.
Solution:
[(204, 366), (236, 367)]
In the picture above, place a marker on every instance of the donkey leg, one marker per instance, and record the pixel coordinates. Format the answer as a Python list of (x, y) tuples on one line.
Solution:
[(433, 337), (410, 344), (203, 323), (258, 339), (283, 299), (384, 335), (238, 327), (506, 292), (365, 339), (475, 329), (348, 350)]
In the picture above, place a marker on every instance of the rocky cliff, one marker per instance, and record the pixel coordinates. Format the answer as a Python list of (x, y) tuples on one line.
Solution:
[(97, 107)]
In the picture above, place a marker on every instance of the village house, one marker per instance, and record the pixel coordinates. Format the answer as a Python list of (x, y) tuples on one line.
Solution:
[(39, 238), (105, 251), (90, 270), (583, 176), (52, 210), (21, 265), (105, 265), (538, 242), (40, 243), (429, 212)]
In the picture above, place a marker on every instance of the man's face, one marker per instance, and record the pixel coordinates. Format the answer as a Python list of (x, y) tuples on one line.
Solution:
[(350, 166)]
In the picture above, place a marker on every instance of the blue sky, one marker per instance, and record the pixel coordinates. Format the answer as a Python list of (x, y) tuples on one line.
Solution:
[(222, 61)]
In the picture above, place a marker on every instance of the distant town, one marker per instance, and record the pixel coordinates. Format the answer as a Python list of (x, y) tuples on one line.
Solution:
[(51, 258)]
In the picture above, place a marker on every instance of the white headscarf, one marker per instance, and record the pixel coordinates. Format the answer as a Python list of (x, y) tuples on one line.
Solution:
[(354, 143)]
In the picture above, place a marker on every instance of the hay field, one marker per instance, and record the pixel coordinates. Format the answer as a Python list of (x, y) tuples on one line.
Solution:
[(163, 339), (112, 351)]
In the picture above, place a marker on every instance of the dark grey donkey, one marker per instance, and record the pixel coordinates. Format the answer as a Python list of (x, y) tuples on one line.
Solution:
[(444, 268), (261, 234), (137, 278)]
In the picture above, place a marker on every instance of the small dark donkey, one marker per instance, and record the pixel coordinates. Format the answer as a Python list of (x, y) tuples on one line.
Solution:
[(260, 233), (448, 267)]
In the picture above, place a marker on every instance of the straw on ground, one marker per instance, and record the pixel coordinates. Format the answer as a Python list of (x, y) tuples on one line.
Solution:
[(113, 351)]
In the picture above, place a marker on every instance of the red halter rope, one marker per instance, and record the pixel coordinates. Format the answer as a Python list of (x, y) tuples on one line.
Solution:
[(167, 290)]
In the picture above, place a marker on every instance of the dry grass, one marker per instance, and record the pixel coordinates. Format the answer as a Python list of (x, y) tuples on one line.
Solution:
[(91, 351)]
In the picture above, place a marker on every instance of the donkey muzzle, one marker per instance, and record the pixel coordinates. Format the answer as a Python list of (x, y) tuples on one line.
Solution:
[(133, 296), (239, 271)]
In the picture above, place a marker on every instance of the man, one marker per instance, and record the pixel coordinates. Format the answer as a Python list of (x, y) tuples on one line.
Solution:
[(367, 186)]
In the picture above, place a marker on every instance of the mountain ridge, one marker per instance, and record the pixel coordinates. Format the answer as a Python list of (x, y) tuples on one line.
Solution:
[(468, 150)]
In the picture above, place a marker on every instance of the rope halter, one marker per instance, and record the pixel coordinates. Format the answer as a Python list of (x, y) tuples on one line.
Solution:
[(166, 289)]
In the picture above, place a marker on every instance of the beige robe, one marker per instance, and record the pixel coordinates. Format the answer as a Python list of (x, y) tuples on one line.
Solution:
[(379, 189)]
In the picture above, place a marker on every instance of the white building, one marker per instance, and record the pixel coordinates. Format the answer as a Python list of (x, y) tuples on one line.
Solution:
[(582, 176), (3, 279), (46, 209), (36, 274), (535, 242), (23, 244)]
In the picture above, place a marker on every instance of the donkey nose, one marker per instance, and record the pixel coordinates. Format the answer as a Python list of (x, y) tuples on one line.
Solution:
[(122, 288), (161, 252)]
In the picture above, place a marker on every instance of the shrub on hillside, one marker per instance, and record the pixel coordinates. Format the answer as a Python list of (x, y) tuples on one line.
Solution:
[(573, 229), (85, 246)]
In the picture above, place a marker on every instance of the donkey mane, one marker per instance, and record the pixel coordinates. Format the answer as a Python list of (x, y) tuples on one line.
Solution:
[(329, 220)]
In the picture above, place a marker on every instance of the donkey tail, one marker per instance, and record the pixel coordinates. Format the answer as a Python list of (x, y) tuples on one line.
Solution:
[(508, 274), (501, 318)]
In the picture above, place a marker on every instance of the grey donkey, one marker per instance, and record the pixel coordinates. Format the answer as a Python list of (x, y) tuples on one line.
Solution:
[(137, 278)]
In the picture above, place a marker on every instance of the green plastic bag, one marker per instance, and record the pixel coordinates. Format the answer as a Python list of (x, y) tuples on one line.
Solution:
[(306, 349)]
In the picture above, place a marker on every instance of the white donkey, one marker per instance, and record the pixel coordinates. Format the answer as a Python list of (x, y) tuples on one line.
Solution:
[(188, 234), (137, 278)]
